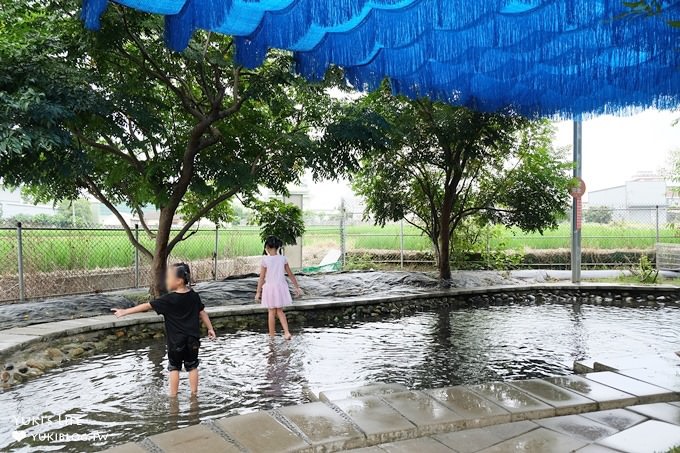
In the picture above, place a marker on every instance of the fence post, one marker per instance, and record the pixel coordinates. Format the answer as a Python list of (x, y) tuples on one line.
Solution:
[(217, 244), (20, 262), (343, 240), (657, 223), (401, 243), (137, 257)]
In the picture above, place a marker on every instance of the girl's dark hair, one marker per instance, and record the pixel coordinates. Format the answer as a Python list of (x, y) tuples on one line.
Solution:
[(272, 242), (182, 271)]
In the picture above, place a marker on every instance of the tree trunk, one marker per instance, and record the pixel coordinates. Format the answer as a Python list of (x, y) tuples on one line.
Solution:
[(445, 240), (159, 264)]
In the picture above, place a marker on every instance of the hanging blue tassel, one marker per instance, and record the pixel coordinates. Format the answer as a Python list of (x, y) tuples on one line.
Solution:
[(91, 13)]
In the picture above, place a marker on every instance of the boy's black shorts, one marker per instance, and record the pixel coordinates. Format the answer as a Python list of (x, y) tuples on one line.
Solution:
[(185, 352)]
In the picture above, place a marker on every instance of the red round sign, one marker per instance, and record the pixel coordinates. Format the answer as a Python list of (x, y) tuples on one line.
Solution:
[(579, 190)]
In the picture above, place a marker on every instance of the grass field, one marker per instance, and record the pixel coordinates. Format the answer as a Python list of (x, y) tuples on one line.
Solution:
[(49, 250)]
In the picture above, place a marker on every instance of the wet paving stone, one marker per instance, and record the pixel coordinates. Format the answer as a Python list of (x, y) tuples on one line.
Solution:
[(605, 396), (258, 431), (127, 448), (660, 411), (619, 419), (380, 422), (427, 414), (194, 439), (364, 390), (518, 403), (646, 393), (578, 427), (649, 436), (473, 440), (421, 445), (475, 409), (537, 441), (564, 401)]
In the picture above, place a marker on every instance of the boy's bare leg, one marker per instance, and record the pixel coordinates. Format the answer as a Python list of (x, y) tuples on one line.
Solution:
[(284, 323), (272, 322), (193, 381), (174, 383)]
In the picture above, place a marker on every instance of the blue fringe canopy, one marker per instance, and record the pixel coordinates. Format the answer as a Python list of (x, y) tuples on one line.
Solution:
[(543, 57)]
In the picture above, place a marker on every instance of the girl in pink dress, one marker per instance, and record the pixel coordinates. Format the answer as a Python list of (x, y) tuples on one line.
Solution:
[(272, 287)]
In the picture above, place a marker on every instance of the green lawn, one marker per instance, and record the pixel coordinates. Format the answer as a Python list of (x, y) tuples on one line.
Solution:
[(48, 250)]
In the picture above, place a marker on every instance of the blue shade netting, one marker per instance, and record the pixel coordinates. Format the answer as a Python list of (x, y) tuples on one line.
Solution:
[(551, 58)]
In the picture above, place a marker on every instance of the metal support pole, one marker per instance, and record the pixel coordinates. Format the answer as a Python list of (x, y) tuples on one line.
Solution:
[(343, 239), (576, 208), (217, 246), (657, 224), (20, 262), (401, 244), (136, 257)]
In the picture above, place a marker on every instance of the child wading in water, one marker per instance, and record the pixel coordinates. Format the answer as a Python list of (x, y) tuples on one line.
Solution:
[(181, 309), (272, 287)]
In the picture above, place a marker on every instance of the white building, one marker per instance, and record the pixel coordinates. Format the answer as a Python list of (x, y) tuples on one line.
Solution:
[(636, 201)]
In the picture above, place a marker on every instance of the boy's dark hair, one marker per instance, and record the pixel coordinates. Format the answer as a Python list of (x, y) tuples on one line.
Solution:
[(272, 242), (182, 271)]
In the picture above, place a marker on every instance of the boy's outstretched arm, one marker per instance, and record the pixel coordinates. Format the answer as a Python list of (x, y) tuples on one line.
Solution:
[(120, 312), (205, 319)]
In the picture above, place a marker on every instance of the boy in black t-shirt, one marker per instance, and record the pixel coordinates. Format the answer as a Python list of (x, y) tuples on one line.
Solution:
[(181, 309)]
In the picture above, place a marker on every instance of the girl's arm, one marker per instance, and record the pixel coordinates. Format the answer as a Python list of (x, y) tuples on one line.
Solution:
[(260, 282), (290, 273), (120, 312), (205, 319)]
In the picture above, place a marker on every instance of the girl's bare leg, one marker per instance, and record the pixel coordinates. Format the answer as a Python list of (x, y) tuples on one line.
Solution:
[(174, 383), (284, 323), (272, 322)]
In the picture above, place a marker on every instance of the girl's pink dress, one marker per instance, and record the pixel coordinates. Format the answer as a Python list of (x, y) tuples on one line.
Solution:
[(275, 292)]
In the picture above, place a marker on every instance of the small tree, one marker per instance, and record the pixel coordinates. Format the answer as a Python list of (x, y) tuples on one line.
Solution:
[(283, 220), (444, 164)]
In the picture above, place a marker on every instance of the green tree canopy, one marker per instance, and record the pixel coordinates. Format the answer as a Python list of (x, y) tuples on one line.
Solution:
[(444, 164), (117, 115)]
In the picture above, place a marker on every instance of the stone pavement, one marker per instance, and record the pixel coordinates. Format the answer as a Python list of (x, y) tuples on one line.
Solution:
[(633, 410)]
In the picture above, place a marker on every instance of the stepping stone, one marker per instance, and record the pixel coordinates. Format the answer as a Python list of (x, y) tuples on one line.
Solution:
[(578, 427), (564, 401), (323, 426), (421, 445), (476, 410), (472, 440), (270, 435), (666, 378), (377, 420), (365, 390), (196, 439), (127, 448), (593, 448), (606, 397), (427, 414), (619, 419), (519, 404), (646, 393), (660, 411), (650, 436), (537, 441)]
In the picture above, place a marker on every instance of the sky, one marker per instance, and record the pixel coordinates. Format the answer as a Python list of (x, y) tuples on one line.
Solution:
[(614, 149)]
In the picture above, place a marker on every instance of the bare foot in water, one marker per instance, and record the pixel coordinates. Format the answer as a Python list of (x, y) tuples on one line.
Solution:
[(287, 336)]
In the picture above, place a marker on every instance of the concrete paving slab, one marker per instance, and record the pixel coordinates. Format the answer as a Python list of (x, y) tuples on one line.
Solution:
[(196, 439), (593, 448), (619, 419), (421, 445), (428, 415), (646, 393), (380, 422), (564, 401), (476, 410), (649, 436), (130, 447), (605, 396), (520, 405), (537, 441), (364, 390), (660, 411), (269, 434), (366, 450), (323, 426), (578, 427), (472, 440), (668, 378)]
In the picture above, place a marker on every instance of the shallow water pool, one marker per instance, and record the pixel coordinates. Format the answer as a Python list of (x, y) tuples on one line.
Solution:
[(111, 399)]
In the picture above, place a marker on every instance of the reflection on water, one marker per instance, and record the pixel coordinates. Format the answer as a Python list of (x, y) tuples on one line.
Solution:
[(110, 399)]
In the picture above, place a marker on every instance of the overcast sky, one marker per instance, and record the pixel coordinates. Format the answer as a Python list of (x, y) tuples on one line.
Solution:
[(614, 149)]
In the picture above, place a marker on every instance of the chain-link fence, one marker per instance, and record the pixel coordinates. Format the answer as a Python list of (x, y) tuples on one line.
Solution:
[(41, 262)]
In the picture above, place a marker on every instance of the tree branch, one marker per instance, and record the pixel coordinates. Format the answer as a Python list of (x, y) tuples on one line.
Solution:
[(108, 148), (142, 221)]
